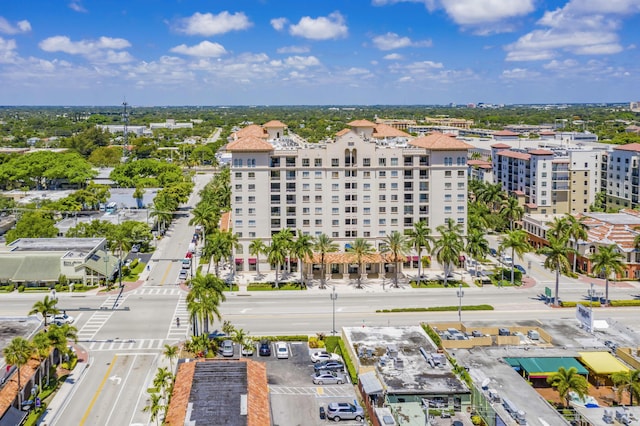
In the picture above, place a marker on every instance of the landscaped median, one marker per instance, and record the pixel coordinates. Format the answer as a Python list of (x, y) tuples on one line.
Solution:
[(597, 304), (438, 309), (269, 286)]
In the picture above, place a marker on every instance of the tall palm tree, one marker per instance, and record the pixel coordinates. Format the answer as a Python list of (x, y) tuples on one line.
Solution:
[(492, 195), (276, 253), (567, 380), (517, 242), (203, 300), (576, 230), (302, 249), (285, 239), (162, 381), (42, 346), (420, 238), (18, 353), (361, 248), (627, 381), (256, 248), (607, 260), (477, 246), (206, 216), (556, 253), (324, 245), (449, 246), (511, 210), (171, 353), (557, 228), (398, 245), (154, 407), (45, 307)]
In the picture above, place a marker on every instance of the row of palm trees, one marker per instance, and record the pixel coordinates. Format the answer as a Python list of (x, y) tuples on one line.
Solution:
[(567, 380), (163, 382)]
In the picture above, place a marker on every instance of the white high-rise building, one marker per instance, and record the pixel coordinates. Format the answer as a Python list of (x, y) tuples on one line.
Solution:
[(370, 181)]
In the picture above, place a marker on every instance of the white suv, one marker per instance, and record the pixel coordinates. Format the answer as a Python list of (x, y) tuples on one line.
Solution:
[(337, 411)]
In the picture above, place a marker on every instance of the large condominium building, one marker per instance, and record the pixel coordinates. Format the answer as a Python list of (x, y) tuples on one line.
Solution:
[(370, 181), (621, 176), (553, 181)]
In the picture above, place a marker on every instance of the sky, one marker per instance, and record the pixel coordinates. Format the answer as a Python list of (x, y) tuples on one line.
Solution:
[(318, 52)]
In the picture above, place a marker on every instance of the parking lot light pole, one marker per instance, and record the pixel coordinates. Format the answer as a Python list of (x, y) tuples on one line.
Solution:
[(460, 296), (333, 297)]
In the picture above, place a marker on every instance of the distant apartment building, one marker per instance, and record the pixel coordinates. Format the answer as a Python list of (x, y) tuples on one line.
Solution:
[(119, 128), (621, 176), (459, 123), (171, 124), (634, 106), (369, 181), (552, 180), (396, 123)]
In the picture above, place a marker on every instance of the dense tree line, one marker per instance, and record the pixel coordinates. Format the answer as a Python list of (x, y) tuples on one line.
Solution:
[(44, 170)]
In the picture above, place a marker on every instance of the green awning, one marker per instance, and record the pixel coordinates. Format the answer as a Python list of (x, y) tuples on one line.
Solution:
[(545, 366)]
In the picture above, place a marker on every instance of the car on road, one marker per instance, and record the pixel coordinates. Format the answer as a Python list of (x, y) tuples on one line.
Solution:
[(226, 349), (521, 269), (265, 348), (457, 423), (324, 356), (493, 252), (329, 366), (507, 260), (282, 350), (337, 411), (183, 275), (135, 248), (328, 378), (60, 319)]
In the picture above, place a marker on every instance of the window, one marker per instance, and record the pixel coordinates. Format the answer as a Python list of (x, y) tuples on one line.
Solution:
[(367, 186), (317, 162), (252, 211), (366, 222), (291, 161), (382, 185), (366, 198), (305, 199), (317, 174), (335, 210), (382, 209), (318, 210), (335, 222), (394, 173), (367, 210), (460, 173), (238, 187), (394, 161), (382, 221), (318, 186), (335, 162), (238, 199), (366, 162), (447, 174), (306, 222), (394, 185), (305, 162), (447, 198), (252, 198), (306, 187), (394, 197), (306, 210), (382, 162), (382, 174), (366, 175), (238, 212), (275, 199), (335, 199), (252, 187), (252, 223), (238, 175), (460, 185), (335, 175), (448, 161), (318, 198), (382, 197), (447, 209), (394, 209)]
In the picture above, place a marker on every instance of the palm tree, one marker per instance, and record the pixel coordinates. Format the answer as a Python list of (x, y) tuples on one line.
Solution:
[(627, 381), (608, 261), (449, 246), (204, 215), (276, 254), (556, 260), (18, 353), (171, 352), (511, 210), (361, 248), (396, 244), (576, 230), (565, 381), (492, 195), (517, 242), (302, 249), (154, 407), (45, 307), (203, 300), (162, 381), (256, 248), (285, 240), (324, 245), (42, 346), (420, 238), (477, 246), (239, 336)]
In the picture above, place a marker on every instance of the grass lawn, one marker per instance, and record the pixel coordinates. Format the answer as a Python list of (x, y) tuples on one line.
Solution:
[(135, 272)]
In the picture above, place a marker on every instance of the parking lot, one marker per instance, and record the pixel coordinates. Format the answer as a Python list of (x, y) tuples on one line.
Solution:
[(295, 400)]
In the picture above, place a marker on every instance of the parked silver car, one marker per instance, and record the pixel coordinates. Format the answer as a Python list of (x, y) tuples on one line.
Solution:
[(337, 411), (328, 378), (227, 348)]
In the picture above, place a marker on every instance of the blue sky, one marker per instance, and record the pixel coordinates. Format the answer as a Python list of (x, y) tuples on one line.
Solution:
[(318, 52)]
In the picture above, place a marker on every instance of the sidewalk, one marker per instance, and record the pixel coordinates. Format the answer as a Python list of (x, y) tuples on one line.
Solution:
[(60, 399)]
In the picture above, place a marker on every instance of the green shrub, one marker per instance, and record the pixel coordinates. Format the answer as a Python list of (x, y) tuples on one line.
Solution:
[(432, 334), (293, 338), (61, 287), (569, 304), (351, 369), (621, 303), (34, 289), (439, 309), (7, 288), (331, 343), (315, 343), (234, 287), (269, 286), (134, 263)]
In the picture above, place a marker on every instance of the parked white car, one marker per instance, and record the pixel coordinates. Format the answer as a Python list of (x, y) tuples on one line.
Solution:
[(60, 319), (324, 356), (282, 350)]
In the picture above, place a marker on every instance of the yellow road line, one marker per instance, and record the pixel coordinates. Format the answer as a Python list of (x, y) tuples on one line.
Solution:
[(164, 277), (95, 396)]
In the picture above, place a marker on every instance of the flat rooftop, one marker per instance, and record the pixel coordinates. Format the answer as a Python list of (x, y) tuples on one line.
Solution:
[(401, 366), (78, 246)]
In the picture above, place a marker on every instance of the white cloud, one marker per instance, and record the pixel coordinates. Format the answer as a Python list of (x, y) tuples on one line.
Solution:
[(7, 50), (322, 28), (300, 62), (429, 4), (209, 24), (474, 12), (82, 47), (544, 44), (293, 49), (203, 49), (519, 73), (20, 27), (76, 5), (393, 57), (561, 65), (278, 24), (391, 41)]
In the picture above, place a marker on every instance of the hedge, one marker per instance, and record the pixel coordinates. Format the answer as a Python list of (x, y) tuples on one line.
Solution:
[(7, 288), (293, 338), (432, 333), (595, 304), (439, 309), (437, 284), (621, 303), (351, 369), (272, 286)]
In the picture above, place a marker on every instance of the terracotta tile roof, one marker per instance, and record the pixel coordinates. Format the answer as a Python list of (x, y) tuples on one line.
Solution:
[(518, 192), (274, 123), (628, 147), (180, 396), (547, 133), (540, 152), (225, 221), (251, 130), (440, 142), (10, 389), (386, 131), (257, 395), (601, 231), (249, 144), (514, 154), (531, 205), (500, 146), (561, 161), (361, 123), (505, 133), (343, 132), (479, 163)]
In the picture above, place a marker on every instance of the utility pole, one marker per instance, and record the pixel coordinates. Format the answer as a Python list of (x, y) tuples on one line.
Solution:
[(333, 297), (460, 296)]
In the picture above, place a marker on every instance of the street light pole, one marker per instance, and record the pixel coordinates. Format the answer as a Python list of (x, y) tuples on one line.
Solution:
[(460, 296), (333, 297), (591, 309)]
